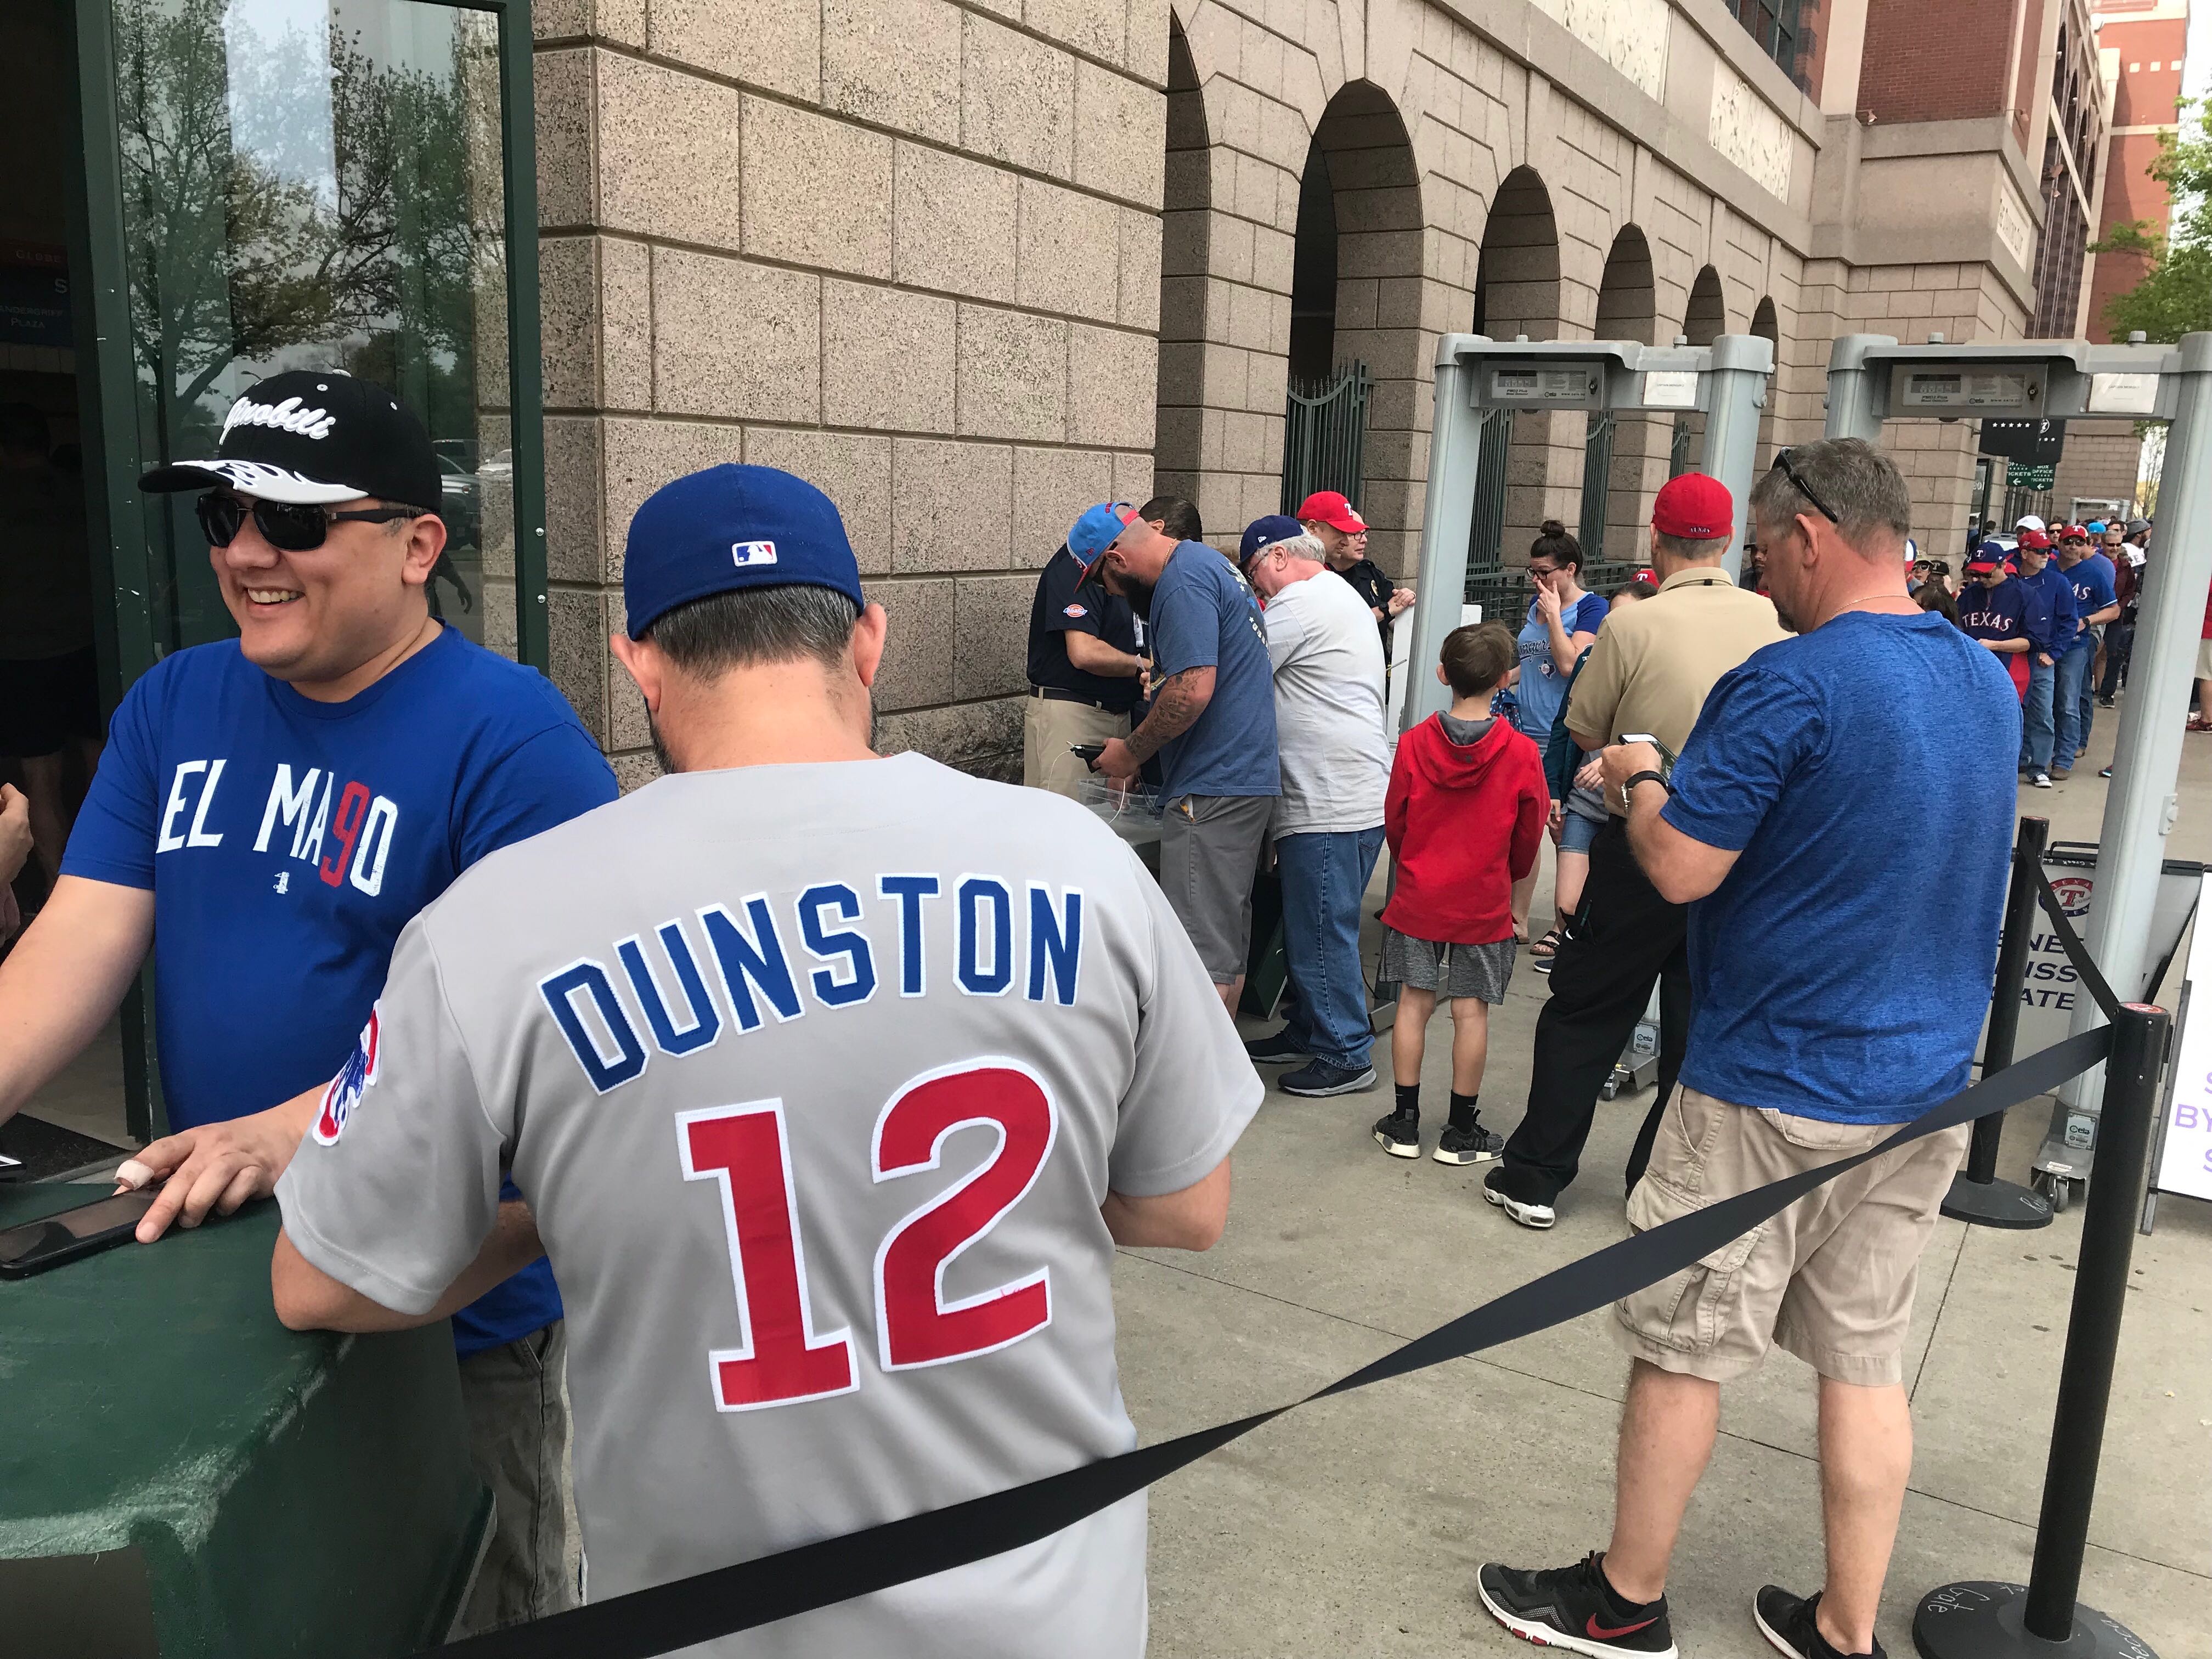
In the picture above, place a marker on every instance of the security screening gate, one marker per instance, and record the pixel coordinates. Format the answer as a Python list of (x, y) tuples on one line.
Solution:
[(1481, 380), (1872, 379)]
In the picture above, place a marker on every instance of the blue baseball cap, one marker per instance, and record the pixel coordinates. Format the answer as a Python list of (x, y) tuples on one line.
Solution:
[(730, 527), (1089, 536), (1265, 532), (2095, 527)]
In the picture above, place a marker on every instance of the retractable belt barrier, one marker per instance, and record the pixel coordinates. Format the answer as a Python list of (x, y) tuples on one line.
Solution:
[(727, 1600)]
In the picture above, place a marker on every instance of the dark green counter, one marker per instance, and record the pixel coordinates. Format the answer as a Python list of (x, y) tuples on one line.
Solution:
[(180, 1474)]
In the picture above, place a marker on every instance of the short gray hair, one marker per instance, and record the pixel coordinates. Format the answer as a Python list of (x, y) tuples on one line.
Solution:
[(1303, 545), (748, 626), (1855, 481)]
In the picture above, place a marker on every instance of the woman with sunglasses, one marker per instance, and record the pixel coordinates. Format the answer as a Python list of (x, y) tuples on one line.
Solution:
[(270, 812)]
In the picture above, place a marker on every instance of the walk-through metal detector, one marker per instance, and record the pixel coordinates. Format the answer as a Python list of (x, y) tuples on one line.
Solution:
[(1475, 374), (1872, 379)]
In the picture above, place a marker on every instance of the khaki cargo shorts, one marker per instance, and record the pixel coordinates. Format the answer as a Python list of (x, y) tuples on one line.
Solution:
[(1830, 1279)]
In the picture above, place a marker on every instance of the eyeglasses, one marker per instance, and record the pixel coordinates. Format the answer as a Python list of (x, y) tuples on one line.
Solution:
[(288, 527), (1781, 461)]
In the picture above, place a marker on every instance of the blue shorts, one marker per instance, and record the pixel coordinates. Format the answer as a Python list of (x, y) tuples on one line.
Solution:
[(1578, 832)]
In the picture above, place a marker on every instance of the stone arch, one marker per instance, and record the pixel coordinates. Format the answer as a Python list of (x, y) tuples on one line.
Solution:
[(1357, 281), (1766, 325), (1179, 435), (1516, 292), (1706, 318), (1628, 309)]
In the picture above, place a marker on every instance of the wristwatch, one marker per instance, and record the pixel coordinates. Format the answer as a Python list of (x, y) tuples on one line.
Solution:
[(1628, 787)]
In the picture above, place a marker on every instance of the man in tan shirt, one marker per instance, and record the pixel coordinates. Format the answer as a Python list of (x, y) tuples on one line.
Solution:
[(1648, 675)]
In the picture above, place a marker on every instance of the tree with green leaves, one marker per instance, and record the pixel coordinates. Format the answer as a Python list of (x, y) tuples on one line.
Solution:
[(2174, 297)]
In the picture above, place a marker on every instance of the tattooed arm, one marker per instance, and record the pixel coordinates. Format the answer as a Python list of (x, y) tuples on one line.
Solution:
[(1180, 701)]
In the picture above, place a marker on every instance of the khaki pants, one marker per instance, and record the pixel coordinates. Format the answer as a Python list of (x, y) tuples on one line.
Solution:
[(1830, 1279), (518, 1442), (1049, 726)]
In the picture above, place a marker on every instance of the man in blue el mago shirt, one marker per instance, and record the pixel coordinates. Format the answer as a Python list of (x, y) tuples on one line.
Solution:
[(270, 812), (1213, 725), (1836, 998)]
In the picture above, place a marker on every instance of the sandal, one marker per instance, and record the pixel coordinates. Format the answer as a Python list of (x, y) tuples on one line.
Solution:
[(1546, 947), (2197, 723)]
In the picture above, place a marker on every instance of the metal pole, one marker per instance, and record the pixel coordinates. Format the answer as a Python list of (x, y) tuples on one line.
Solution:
[(2093, 1331), (1742, 364), (1850, 388), (1985, 1620), (2140, 808), (1447, 523), (1977, 1195)]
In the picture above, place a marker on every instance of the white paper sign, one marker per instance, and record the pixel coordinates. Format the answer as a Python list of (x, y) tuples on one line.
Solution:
[(2185, 1164), (2122, 394), (1670, 388)]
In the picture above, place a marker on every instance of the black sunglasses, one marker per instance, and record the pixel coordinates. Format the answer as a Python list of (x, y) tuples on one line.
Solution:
[(290, 526), (1781, 461)]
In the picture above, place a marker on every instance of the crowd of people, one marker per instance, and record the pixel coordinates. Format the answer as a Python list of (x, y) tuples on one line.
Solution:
[(667, 1136)]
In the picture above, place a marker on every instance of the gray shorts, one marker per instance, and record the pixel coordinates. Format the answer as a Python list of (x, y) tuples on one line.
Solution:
[(1209, 852), (1480, 972)]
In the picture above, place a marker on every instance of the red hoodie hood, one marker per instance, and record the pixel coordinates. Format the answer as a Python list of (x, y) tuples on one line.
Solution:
[(1450, 765)]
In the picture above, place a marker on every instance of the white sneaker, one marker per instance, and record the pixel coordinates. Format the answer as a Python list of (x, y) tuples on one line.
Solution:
[(2040, 780), (1538, 1216)]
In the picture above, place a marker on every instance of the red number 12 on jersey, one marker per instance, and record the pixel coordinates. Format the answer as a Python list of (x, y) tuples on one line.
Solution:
[(744, 1150)]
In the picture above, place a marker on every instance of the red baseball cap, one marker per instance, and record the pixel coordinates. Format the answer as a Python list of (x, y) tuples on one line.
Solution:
[(2034, 541), (1695, 507), (1327, 506)]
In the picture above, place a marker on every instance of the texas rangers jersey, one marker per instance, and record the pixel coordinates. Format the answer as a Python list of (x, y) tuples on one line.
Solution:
[(815, 1078)]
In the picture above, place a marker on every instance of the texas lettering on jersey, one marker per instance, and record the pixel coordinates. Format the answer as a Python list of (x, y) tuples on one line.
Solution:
[(1000, 942), (344, 828)]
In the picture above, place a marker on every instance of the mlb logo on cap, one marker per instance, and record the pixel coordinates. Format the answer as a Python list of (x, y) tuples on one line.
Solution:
[(752, 553)]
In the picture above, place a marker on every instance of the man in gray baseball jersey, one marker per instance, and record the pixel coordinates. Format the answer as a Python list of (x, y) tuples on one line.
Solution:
[(831, 1082)]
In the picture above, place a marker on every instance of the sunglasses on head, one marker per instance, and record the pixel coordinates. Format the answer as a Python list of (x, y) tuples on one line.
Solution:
[(288, 527), (1782, 465)]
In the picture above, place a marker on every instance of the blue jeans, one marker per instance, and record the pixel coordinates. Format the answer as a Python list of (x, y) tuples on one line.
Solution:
[(2036, 730), (2071, 705), (1324, 879)]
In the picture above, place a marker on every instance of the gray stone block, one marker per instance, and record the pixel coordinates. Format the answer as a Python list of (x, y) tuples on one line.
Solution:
[(991, 622), (577, 659), (667, 153), (1111, 386), (853, 469), (567, 321), (922, 640), (633, 770), (1139, 303), (640, 456), (1063, 235), (1052, 488), (1095, 27), (894, 62), (574, 527), (818, 191), (1016, 99), (1012, 374), (1120, 135), (981, 738), (956, 224), (732, 339), (567, 191), (887, 358), (625, 324), (763, 43), (951, 504)]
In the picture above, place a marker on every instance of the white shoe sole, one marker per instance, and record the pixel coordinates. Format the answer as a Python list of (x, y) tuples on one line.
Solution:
[(1549, 1636), (1394, 1148), (1362, 1084), (1465, 1160), (1529, 1215)]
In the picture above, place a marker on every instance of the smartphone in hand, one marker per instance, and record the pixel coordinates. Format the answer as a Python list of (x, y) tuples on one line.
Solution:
[(1666, 755)]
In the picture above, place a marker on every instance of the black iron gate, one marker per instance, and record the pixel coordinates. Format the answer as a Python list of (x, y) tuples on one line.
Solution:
[(1325, 434), (1485, 543), (1597, 482)]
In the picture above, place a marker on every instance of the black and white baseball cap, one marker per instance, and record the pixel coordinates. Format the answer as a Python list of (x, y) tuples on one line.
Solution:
[(315, 435)]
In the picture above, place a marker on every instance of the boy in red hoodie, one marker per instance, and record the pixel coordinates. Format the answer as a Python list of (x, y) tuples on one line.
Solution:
[(1464, 818)]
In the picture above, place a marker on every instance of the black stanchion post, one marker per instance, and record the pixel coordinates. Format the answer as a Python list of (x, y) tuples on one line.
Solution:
[(1977, 1195), (1985, 1620)]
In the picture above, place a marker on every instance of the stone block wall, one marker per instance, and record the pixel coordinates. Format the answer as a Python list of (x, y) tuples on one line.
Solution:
[(907, 249)]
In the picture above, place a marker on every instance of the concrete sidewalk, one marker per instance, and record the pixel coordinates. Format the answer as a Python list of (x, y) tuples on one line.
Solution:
[(1355, 1527)]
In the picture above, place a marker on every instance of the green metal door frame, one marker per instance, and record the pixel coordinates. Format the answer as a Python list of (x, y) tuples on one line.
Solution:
[(101, 314)]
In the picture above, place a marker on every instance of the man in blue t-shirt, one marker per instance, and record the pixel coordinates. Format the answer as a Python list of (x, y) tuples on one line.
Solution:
[(1213, 725), (1835, 998), (2091, 577), (2050, 621), (270, 812)]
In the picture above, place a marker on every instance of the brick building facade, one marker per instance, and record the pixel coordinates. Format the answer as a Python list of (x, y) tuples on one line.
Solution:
[(971, 265)]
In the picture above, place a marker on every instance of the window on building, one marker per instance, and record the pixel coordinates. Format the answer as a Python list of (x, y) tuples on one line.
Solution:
[(1775, 25)]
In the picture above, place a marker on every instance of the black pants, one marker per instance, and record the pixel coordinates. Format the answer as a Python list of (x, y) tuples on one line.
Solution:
[(1624, 936), (2119, 646)]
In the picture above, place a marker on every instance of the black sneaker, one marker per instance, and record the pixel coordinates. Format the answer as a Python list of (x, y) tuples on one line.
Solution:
[(1276, 1050), (1399, 1133), (1574, 1608), (2038, 780), (1318, 1078), (1538, 1216), (1790, 1623), (1475, 1145)]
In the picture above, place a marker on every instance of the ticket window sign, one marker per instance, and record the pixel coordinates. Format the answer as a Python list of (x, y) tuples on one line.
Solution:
[(2185, 1157)]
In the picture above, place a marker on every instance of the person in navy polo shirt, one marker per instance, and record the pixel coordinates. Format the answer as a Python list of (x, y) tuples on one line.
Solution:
[(1086, 667), (270, 812)]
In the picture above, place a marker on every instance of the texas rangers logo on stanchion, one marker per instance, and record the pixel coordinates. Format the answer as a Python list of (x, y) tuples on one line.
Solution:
[(348, 1086)]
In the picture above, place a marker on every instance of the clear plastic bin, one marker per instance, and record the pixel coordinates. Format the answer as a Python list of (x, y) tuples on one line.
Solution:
[(1134, 814)]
